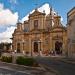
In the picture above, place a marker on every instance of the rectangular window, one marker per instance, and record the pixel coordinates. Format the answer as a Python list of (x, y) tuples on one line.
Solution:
[(36, 24)]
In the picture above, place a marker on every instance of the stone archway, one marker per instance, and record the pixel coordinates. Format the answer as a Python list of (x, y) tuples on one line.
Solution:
[(18, 47), (58, 47)]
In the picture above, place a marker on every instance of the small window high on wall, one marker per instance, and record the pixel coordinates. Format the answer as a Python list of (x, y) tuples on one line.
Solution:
[(35, 24)]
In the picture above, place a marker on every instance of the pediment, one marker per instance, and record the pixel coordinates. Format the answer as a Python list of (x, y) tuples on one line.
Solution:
[(58, 29), (36, 13)]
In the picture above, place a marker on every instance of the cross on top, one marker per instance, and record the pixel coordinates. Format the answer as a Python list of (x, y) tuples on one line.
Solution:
[(36, 3)]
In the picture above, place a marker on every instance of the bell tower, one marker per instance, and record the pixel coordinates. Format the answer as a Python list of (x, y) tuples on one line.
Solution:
[(51, 16), (49, 19), (57, 21), (19, 26)]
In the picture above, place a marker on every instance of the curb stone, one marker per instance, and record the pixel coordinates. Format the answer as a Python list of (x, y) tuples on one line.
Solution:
[(66, 61)]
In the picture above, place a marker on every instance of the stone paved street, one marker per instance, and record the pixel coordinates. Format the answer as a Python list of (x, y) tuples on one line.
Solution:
[(10, 72), (55, 64), (52, 65), (13, 69)]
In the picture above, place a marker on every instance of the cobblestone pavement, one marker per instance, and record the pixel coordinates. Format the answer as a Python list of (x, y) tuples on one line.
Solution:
[(56, 65)]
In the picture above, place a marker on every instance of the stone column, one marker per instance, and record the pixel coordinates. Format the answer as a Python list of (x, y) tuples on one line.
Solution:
[(30, 46), (51, 43)]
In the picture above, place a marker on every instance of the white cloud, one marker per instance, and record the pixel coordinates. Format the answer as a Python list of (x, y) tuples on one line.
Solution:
[(5, 36), (43, 8), (61, 18), (1, 7), (25, 18), (7, 17)]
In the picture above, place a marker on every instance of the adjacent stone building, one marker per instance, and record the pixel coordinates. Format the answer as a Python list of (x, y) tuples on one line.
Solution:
[(40, 33), (71, 32)]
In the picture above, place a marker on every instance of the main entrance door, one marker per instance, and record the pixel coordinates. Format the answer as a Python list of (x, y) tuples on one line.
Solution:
[(58, 47), (35, 46), (18, 47)]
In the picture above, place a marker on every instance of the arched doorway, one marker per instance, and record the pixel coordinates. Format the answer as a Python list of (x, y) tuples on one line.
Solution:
[(58, 47), (18, 47), (35, 46)]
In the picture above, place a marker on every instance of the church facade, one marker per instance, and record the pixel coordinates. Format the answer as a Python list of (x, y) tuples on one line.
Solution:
[(40, 33)]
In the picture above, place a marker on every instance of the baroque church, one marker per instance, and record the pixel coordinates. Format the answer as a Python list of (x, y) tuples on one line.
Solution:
[(40, 33)]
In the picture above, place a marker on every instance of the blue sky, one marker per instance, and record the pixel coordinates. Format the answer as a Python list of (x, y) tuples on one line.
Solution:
[(25, 6), (17, 9)]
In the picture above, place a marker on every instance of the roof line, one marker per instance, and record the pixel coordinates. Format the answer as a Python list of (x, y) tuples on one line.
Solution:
[(71, 10)]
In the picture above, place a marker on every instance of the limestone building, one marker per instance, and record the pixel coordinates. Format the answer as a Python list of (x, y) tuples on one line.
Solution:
[(71, 32), (40, 33)]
